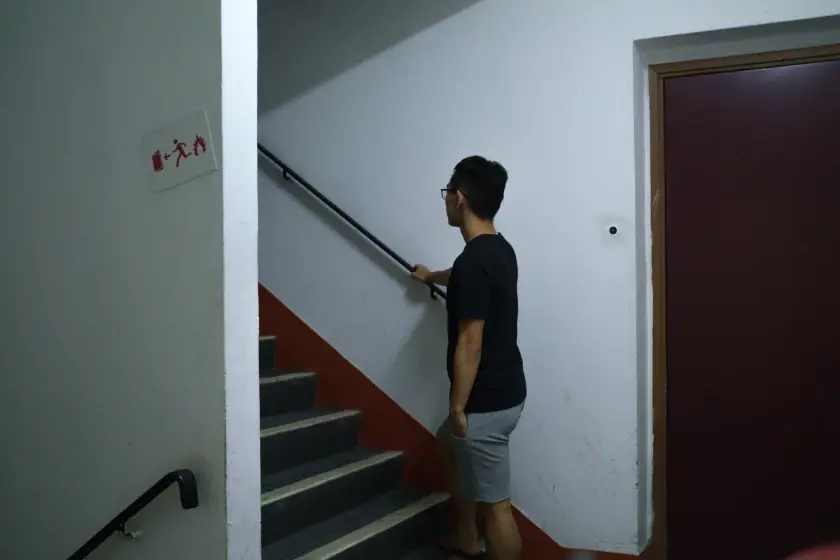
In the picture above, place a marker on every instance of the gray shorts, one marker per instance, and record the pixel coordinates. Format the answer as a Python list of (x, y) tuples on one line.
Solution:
[(483, 457)]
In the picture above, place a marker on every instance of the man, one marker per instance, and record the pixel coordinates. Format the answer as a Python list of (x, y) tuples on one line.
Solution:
[(487, 379)]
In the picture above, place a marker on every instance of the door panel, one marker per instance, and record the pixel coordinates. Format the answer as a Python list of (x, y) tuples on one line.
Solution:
[(752, 183)]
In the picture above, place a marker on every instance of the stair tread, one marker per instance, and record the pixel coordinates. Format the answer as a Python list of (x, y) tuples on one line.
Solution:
[(277, 372), (316, 536), (284, 374), (296, 416), (313, 468)]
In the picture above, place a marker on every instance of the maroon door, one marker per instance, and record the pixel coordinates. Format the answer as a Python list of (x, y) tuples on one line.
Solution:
[(752, 171)]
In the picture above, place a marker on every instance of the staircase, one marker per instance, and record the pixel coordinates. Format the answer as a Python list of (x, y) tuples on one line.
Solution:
[(323, 496)]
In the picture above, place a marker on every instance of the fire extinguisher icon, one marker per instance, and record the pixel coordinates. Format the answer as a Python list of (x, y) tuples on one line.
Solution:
[(157, 161)]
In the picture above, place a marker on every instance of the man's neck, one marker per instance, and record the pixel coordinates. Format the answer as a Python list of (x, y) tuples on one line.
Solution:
[(473, 227)]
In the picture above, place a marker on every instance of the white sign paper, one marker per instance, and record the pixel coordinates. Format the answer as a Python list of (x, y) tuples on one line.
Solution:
[(179, 152)]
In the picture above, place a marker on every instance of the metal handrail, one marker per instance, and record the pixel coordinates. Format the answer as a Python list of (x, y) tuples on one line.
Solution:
[(290, 174), (187, 488)]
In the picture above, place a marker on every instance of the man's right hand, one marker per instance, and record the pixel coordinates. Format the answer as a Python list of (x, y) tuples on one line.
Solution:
[(421, 273)]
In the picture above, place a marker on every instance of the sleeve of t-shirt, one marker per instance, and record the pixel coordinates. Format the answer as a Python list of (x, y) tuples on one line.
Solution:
[(473, 289)]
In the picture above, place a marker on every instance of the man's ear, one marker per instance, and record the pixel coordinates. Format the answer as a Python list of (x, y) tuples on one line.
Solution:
[(461, 198)]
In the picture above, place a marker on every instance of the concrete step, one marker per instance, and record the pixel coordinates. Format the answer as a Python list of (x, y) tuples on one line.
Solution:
[(282, 392), (313, 492), (268, 346), (323, 497), (294, 438), (385, 528)]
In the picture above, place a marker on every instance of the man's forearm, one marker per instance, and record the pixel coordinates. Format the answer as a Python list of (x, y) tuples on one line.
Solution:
[(465, 367), (440, 277)]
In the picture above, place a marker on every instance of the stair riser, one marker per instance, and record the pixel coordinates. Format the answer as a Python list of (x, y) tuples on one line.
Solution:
[(399, 541), (292, 448), (287, 396), (267, 351), (305, 508)]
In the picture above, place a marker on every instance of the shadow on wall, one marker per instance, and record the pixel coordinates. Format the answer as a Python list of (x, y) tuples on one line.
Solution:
[(304, 44)]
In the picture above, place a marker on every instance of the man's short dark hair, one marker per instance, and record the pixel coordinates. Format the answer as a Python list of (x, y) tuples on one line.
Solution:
[(483, 183)]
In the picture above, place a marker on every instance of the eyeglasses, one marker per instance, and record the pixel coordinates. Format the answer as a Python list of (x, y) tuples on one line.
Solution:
[(444, 192)]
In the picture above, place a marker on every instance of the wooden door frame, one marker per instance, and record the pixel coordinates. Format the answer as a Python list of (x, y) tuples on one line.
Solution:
[(656, 75)]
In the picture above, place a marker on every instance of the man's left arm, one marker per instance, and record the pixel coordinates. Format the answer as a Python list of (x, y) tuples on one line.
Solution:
[(466, 360), (472, 307)]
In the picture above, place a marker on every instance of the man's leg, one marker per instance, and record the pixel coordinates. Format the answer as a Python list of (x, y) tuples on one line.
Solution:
[(486, 455), (503, 540), (466, 538)]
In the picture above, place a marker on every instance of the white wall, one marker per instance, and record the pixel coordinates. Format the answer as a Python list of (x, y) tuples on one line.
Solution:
[(123, 319), (556, 92)]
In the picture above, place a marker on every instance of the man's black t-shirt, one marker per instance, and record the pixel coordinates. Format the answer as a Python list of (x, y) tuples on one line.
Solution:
[(482, 285)]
